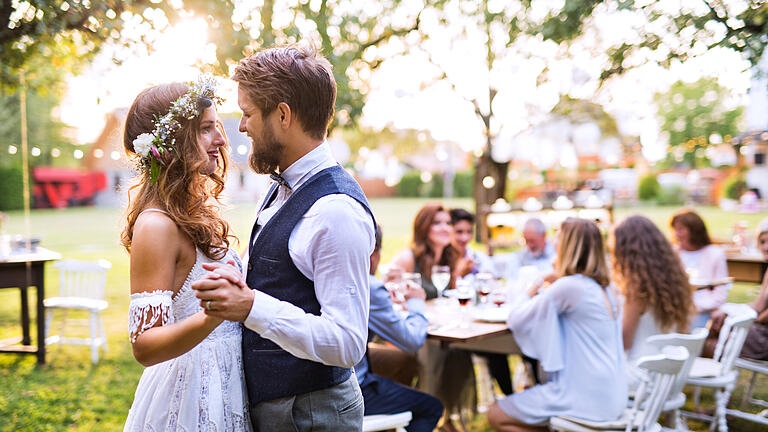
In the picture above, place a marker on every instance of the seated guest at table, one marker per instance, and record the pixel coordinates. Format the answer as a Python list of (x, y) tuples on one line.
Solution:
[(756, 343), (537, 251), (703, 261), (470, 262), (657, 296), (445, 373), (572, 327), (431, 245), (382, 395)]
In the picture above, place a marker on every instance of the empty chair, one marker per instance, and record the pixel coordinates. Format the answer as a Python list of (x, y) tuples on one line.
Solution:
[(693, 343), (381, 422), (756, 367), (718, 372), (662, 371), (81, 287)]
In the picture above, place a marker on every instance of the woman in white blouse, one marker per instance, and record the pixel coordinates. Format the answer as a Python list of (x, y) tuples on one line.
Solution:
[(573, 328), (704, 262)]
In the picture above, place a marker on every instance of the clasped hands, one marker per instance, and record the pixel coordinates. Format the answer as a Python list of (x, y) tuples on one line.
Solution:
[(223, 292)]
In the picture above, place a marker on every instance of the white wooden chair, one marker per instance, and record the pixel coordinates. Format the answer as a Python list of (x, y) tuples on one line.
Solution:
[(81, 287), (381, 422), (718, 372), (756, 367), (693, 342), (662, 371)]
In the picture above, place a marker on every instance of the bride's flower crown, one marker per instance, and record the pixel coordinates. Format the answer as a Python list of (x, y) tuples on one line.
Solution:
[(154, 148)]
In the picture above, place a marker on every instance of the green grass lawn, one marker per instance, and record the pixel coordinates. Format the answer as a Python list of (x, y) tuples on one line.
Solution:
[(69, 393)]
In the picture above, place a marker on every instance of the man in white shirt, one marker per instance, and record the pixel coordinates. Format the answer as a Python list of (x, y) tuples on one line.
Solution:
[(304, 302)]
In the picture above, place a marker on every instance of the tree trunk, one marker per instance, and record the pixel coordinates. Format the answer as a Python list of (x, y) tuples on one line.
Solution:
[(484, 197)]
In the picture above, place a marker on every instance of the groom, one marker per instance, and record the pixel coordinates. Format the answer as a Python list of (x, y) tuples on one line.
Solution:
[(304, 302)]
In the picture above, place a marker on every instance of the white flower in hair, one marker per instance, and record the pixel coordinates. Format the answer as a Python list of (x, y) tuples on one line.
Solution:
[(142, 144)]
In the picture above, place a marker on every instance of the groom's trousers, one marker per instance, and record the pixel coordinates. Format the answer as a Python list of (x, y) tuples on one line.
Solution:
[(335, 409)]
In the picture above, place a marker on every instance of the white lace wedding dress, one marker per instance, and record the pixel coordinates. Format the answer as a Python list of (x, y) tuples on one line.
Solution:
[(201, 390)]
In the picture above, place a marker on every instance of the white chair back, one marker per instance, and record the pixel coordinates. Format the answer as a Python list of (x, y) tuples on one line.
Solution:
[(733, 334), (662, 372), (82, 279), (693, 343)]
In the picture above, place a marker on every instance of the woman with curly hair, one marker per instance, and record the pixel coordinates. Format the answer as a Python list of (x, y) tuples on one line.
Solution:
[(193, 376), (657, 296)]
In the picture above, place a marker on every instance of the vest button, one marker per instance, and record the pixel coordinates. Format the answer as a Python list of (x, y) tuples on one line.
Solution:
[(250, 266)]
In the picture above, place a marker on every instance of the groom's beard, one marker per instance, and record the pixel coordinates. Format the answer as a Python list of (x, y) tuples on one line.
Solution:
[(266, 151)]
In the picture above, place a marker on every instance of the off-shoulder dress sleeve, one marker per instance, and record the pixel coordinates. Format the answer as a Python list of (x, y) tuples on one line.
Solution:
[(147, 309)]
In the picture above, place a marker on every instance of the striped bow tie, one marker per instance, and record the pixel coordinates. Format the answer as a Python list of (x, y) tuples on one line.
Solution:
[(280, 180)]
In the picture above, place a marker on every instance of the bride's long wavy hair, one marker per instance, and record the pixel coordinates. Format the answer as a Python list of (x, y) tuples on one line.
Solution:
[(648, 271), (181, 188)]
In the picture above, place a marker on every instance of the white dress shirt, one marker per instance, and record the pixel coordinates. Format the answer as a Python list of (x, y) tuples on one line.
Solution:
[(331, 246)]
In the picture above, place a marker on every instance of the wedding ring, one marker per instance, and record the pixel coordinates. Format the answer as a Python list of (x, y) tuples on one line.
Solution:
[(207, 305)]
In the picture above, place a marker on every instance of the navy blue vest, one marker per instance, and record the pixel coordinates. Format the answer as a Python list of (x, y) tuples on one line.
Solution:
[(270, 371)]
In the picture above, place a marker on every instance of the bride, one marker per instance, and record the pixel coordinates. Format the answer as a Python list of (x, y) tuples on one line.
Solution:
[(194, 377)]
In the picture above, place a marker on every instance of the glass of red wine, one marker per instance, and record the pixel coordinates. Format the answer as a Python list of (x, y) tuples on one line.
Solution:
[(498, 297), (464, 294)]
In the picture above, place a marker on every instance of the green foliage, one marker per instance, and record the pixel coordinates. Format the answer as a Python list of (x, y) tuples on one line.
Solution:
[(674, 195), (410, 185), (648, 188), (434, 187), (734, 186), (463, 184), (10, 187), (691, 112), (43, 131), (52, 38)]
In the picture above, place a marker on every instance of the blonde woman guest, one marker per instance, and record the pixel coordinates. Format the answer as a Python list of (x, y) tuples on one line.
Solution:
[(657, 296), (703, 261), (573, 328)]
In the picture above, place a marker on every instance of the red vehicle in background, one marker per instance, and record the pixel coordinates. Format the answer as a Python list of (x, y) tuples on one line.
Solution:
[(56, 187)]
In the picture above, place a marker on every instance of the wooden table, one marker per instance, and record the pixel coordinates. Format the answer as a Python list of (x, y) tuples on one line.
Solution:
[(746, 268), (22, 270), (477, 336)]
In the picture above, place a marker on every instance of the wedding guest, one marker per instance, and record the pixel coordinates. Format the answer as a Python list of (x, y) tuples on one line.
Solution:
[(470, 261), (572, 327), (756, 343), (445, 373), (538, 251), (382, 395), (430, 245), (702, 260), (657, 296)]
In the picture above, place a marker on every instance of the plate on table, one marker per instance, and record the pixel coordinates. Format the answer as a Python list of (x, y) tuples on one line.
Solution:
[(491, 314)]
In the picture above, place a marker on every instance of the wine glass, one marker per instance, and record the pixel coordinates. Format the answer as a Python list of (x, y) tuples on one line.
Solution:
[(498, 297), (413, 278), (441, 277), (484, 282), (464, 294)]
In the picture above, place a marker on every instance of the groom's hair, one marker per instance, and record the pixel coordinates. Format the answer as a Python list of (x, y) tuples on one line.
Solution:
[(296, 75)]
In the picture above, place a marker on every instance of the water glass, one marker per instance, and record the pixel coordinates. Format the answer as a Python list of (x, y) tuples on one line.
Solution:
[(441, 277)]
